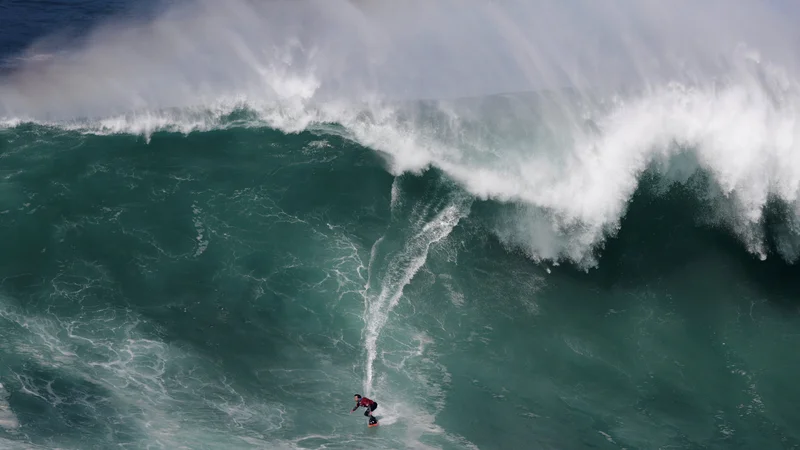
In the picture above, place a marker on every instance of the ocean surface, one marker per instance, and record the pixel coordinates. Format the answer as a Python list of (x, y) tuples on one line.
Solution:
[(515, 225)]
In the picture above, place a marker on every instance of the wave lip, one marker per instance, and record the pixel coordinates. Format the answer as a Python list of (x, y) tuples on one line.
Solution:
[(569, 156), (569, 175)]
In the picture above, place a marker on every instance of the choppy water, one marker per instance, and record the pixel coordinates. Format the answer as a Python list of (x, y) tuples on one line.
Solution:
[(219, 223)]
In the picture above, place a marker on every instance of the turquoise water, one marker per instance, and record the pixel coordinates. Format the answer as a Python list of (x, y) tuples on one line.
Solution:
[(202, 255), (218, 289)]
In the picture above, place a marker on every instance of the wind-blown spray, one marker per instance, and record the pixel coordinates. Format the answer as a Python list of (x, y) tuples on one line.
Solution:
[(617, 88)]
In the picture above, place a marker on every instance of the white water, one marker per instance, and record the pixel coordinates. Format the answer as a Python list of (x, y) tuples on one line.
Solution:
[(709, 86), (399, 272), (151, 386), (8, 420)]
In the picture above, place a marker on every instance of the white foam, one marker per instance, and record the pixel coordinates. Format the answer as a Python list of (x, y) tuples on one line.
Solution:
[(150, 384), (400, 271), (8, 420), (395, 195), (709, 85), (202, 239), (572, 196)]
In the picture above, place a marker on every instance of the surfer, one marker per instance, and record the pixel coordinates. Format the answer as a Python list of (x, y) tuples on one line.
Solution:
[(366, 403)]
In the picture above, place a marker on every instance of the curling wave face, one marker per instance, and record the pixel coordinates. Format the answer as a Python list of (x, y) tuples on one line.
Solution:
[(632, 90)]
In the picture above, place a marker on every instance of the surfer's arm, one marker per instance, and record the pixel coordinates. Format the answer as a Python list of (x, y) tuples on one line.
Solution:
[(354, 407)]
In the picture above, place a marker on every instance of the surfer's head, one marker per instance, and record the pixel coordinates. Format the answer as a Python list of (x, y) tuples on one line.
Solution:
[(357, 397)]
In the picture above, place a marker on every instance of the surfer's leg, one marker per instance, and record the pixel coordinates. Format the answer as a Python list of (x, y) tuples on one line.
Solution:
[(372, 419)]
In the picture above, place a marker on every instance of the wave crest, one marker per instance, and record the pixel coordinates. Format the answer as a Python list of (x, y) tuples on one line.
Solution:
[(569, 156)]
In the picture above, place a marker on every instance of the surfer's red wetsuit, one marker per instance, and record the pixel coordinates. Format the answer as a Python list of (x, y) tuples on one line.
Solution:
[(365, 402), (371, 405)]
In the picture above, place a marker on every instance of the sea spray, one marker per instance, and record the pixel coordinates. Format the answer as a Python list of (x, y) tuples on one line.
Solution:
[(569, 156)]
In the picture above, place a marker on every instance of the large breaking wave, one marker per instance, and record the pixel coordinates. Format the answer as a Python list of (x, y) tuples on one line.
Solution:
[(692, 90)]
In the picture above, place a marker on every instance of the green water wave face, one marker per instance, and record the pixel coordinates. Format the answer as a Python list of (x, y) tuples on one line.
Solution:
[(235, 288), (155, 286)]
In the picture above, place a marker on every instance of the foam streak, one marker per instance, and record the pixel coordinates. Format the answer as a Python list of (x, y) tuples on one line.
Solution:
[(400, 272)]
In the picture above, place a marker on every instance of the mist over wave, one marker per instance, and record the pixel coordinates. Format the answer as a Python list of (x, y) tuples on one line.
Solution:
[(556, 109)]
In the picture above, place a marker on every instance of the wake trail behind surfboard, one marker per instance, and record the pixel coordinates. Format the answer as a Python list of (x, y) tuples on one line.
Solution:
[(400, 271)]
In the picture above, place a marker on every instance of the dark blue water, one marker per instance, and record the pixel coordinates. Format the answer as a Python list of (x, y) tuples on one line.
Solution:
[(26, 22)]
